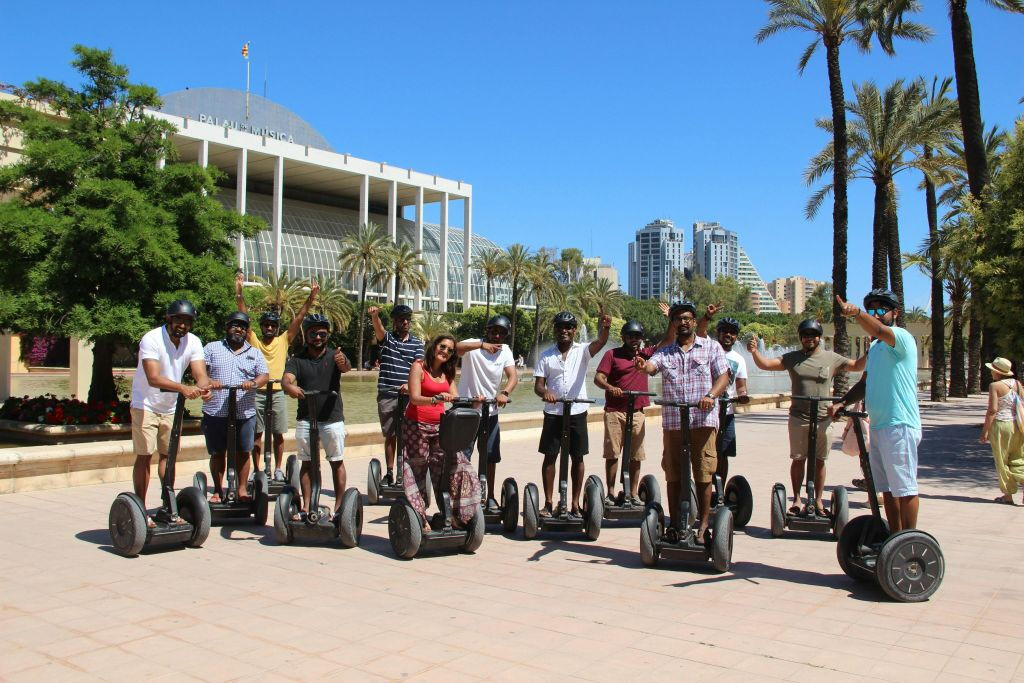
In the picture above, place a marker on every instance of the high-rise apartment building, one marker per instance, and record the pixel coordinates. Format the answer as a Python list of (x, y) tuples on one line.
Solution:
[(760, 298), (792, 292), (656, 253), (592, 267), (716, 251)]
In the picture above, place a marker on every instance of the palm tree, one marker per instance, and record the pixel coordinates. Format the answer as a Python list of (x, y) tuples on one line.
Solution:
[(429, 324), (365, 254), (406, 266), (570, 264), (334, 303), (581, 296), (280, 293), (546, 290), (917, 315), (831, 22), (608, 298), (517, 265), (492, 265)]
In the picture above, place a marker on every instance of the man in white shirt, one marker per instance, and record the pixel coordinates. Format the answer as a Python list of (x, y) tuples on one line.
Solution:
[(561, 372), (484, 361), (164, 354), (728, 330)]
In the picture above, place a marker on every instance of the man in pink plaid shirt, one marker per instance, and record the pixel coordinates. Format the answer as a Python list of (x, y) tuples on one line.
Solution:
[(693, 370)]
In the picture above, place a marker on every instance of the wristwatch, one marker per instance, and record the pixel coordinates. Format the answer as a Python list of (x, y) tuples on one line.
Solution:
[(710, 395), (504, 392)]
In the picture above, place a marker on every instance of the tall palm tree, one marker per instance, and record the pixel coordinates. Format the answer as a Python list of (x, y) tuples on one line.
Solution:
[(546, 290), (429, 324), (517, 266), (406, 266), (491, 264), (281, 293), (334, 303), (608, 297), (831, 22), (365, 254)]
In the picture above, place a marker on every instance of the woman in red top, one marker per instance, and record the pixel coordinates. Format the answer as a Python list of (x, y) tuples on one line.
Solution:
[(431, 383)]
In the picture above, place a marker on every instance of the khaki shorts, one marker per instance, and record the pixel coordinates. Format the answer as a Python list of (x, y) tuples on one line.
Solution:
[(151, 432), (800, 428), (703, 454), (614, 431)]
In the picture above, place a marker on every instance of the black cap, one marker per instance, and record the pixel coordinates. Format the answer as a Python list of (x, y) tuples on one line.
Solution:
[(682, 306), (237, 316), (632, 327), (401, 311), (728, 324), (810, 325), (565, 319), (499, 321), (270, 317), (316, 320), (182, 307), (886, 296)]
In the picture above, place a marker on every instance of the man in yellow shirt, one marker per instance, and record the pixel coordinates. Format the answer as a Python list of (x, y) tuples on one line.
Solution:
[(274, 347)]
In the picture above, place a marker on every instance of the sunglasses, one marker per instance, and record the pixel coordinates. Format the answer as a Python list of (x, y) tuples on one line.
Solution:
[(237, 324), (446, 349), (319, 333), (877, 311)]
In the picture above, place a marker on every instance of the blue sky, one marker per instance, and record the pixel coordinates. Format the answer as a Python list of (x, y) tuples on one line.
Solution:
[(576, 122)]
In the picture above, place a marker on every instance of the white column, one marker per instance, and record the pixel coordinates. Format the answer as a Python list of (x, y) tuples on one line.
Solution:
[(393, 225), (6, 356), (443, 275), (204, 153), (417, 303), (364, 201), (467, 245), (240, 196), (81, 368), (275, 221)]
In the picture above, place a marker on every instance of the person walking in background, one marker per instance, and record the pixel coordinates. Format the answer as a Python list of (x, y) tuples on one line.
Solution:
[(1003, 430)]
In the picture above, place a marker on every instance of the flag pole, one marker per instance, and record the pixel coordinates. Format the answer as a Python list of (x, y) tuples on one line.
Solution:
[(245, 53)]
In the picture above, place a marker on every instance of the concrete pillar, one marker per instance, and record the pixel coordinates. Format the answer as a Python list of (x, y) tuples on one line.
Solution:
[(393, 226), (240, 197), (442, 293), (81, 368), (204, 153), (7, 357), (467, 253), (364, 201), (417, 302), (277, 212)]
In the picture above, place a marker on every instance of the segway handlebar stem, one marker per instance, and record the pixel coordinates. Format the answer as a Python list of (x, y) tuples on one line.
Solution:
[(677, 404), (817, 399), (742, 400)]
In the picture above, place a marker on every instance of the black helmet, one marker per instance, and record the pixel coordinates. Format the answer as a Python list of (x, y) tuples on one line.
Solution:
[(810, 325), (182, 307), (401, 311), (315, 320), (499, 321), (270, 317), (728, 324), (237, 316), (884, 295), (682, 306), (565, 319), (632, 327)]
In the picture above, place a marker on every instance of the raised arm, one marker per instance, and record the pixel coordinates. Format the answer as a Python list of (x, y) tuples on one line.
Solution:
[(464, 347), (239, 299), (296, 324), (378, 327), (868, 323), (771, 364), (705, 320), (602, 338)]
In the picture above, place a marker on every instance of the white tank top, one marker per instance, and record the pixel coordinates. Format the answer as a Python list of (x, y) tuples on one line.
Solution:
[(1005, 406)]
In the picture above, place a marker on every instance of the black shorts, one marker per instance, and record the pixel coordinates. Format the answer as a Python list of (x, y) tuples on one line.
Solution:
[(727, 437), (551, 436), (493, 442)]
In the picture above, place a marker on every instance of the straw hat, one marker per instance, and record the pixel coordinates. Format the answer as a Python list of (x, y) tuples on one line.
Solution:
[(1000, 366)]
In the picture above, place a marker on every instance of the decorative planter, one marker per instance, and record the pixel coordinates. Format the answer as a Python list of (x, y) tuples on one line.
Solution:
[(60, 434)]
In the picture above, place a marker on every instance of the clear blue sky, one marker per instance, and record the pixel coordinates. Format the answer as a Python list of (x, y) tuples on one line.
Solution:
[(576, 122)]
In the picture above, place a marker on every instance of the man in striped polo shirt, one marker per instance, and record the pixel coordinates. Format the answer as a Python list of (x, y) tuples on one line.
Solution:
[(398, 350)]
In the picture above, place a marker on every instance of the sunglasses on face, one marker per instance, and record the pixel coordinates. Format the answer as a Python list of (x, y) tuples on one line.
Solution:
[(240, 325), (877, 311), (319, 333), (809, 336), (446, 349)]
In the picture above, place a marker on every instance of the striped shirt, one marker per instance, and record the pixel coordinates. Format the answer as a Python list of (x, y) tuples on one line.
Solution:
[(231, 369), (688, 376), (396, 358)]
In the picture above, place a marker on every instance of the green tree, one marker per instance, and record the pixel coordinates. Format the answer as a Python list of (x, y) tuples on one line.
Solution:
[(333, 302), (734, 297), (366, 255), (819, 304), (99, 236), (517, 266), (491, 264), (406, 266), (280, 293), (429, 324), (547, 293), (917, 315), (571, 265)]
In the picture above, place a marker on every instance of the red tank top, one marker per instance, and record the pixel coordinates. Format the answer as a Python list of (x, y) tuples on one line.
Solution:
[(428, 387)]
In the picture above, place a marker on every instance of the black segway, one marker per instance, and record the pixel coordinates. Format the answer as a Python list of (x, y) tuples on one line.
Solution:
[(232, 508), (561, 519), (625, 508), (908, 565), (273, 485), (506, 512), (678, 540), (377, 492), (319, 524), (738, 495), (127, 521), (459, 425), (808, 519)]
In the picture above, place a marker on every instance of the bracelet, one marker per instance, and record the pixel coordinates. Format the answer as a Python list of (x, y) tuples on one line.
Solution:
[(504, 392)]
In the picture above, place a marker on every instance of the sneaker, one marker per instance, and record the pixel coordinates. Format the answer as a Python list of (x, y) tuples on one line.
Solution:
[(609, 501), (492, 505), (636, 502), (389, 479), (278, 475)]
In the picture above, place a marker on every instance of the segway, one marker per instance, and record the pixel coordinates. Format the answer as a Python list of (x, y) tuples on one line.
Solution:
[(907, 565), (232, 508), (808, 519), (127, 521), (377, 492), (318, 525), (561, 519), (624, 508), (678, 540), (273, 485), (738, 495), (405, 526), (506, 512)]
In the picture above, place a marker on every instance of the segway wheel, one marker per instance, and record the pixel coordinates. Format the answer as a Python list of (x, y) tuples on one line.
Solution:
[(910, 566), (650, 535), (195, 509), (475, 530), (509, 506), (649, 489), (531, 511), (860, 532), (721, 539), (199, 481), (740, 498), (283, 511), (127, 522), (405, 529), (840, 508), (350, 518), (778, 510), (260, 497), (597, 480), (593, 510), (373, 482)]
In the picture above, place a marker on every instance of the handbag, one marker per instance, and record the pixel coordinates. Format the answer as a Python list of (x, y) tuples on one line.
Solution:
[(850, 446), (1018, 408)]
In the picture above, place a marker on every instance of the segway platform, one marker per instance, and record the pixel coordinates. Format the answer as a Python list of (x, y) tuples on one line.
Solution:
[(507, 511)]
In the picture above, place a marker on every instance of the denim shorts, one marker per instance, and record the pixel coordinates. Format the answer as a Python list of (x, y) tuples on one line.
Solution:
[(893, 459), (332, 440), (215, 429)]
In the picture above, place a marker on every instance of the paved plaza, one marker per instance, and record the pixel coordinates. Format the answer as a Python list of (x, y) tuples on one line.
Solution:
[(556, 608)]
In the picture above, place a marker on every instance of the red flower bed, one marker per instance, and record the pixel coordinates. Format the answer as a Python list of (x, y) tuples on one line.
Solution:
[(51, 410)]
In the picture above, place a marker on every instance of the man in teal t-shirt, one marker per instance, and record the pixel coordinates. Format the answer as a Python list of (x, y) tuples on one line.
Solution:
[(889, 387)]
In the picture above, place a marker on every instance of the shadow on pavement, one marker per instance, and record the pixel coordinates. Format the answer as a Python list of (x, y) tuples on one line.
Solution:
[(950, 454), (101, 538), (752, 571), (602, 555)]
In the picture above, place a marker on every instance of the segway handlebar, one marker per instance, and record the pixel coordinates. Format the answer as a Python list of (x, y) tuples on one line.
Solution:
[(851, 413), (488, 401), (576, 400), (629, 394), (677, 404), (742, 400), (317, 392), (818, 399)]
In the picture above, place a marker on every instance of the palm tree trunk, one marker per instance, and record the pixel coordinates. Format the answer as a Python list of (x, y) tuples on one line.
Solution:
[(974, 342), (487, 314), (515, 307), (968, 99), (957, 381), (362, 319), (938, 355), (879, 244), (841, 343), (398, 288), (101, 385), (892, 230)]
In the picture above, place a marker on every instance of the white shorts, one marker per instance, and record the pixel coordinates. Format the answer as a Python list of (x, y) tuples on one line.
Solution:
[(332, 440), (893, 458)]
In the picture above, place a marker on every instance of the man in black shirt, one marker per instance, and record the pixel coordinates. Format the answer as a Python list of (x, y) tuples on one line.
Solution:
[(318, 368)]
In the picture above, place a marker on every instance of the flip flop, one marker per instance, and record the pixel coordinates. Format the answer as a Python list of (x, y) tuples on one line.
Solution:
[(794, 509), (215, 498), (150, 522), (545, 511)]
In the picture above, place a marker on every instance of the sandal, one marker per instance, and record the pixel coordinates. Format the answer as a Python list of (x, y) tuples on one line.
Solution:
[(545, 511), (150, 522), (215, 498), (795, 509), (859, 484), (1003, 499)]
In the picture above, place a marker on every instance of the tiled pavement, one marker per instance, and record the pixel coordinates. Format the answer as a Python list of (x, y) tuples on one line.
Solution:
[(555, 608)]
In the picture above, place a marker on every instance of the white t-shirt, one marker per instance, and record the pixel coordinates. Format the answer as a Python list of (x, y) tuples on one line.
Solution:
[(157, 345), (482, 371), (737, 370), (565, 378)]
